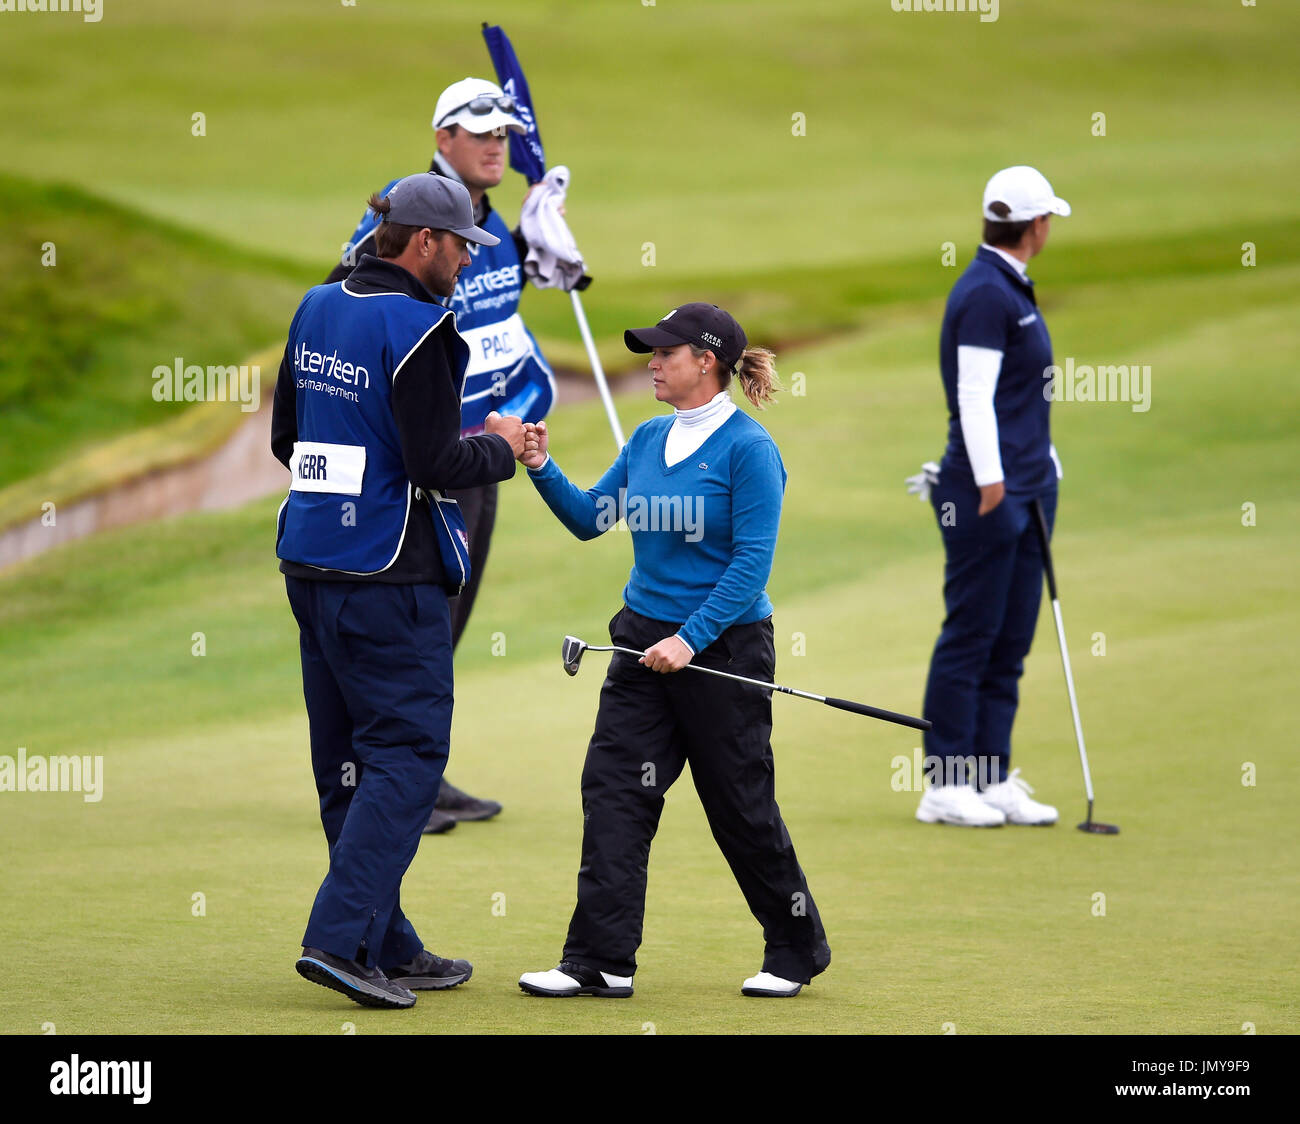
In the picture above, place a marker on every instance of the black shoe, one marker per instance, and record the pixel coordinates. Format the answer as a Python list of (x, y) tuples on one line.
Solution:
[(438, 823), (462, 806), (430, 973), (570, 979), (367, 986)]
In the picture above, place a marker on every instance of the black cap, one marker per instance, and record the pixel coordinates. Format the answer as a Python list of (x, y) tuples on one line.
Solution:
[(705, 325)]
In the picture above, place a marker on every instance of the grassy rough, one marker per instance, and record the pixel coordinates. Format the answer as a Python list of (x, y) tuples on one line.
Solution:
[(82, 336), (800, 234)]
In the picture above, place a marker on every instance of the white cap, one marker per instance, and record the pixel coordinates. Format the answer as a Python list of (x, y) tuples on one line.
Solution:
[(1026, 191), (453, 108)]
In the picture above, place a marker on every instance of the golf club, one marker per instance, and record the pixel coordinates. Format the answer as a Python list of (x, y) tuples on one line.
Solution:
[(573, 648), (1090, 825)]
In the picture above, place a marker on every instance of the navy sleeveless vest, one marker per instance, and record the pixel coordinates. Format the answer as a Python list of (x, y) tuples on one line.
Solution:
[(349, 498)]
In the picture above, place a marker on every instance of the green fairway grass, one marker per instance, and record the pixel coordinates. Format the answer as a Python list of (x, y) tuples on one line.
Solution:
[(207, 786), (807, 166)]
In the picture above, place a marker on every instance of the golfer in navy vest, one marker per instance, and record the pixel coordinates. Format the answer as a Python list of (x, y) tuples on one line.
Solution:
[(367, 419), (701, 491), (994, 354)]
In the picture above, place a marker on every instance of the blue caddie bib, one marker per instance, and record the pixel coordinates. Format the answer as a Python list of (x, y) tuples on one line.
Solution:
[(349, 497)]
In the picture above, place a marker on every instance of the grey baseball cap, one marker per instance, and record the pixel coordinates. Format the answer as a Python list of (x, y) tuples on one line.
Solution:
[(428, 199)]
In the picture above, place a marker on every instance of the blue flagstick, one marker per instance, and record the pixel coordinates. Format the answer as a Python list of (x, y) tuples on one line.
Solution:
[(528, 158)]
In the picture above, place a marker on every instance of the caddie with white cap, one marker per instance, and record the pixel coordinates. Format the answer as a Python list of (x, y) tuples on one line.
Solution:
[(994, 354), (507, 371), (478, 105)]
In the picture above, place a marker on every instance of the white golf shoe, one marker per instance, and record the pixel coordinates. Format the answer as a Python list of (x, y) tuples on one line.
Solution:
[(770, 986), (576, 979), (957, 804), (1011, 797)]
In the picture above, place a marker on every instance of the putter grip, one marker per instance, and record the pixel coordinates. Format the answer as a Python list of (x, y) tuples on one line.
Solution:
[(876, 712)]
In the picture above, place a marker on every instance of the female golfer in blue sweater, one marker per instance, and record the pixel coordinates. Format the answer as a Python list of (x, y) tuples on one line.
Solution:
[(701, 492)]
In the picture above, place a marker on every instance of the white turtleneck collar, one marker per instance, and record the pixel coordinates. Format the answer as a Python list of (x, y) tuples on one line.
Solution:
[(691, 428), (719, 403)]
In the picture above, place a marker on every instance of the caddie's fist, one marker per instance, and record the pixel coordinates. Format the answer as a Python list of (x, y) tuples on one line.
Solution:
[(534, 454), (512, 429)]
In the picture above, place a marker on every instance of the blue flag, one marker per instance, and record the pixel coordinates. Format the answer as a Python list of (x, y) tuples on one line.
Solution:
[(526, 154)]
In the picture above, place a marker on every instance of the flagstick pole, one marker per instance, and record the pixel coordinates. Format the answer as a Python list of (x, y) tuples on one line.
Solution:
[(596, 368)]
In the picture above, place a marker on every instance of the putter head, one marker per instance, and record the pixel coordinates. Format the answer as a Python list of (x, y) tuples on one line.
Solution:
[(1093, 827), (571, 652)]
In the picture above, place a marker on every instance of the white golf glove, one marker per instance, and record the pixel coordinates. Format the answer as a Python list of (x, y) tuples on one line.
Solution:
[(920, 484)]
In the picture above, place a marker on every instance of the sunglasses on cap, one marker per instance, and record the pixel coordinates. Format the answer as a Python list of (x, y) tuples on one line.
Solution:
[(484, 104)]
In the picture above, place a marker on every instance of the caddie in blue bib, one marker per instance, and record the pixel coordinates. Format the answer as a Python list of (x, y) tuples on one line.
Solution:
[(350, 474)]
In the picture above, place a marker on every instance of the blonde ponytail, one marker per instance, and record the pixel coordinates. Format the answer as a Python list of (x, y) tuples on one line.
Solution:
[(757, 373)]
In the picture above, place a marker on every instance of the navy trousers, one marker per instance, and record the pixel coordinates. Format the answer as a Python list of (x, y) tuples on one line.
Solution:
[(377, 679), (992, 588)]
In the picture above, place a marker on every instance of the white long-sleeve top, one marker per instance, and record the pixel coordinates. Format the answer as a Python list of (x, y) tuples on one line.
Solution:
[(977, 381)]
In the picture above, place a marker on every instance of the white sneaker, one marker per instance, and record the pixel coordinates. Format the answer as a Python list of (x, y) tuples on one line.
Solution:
[(1011, 797), (957, 804), (770, 986)]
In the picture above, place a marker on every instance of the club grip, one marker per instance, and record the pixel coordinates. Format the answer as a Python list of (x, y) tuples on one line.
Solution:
[(876, 712)]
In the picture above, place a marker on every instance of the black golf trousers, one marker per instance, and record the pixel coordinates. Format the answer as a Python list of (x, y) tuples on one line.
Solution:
[(648, 727)]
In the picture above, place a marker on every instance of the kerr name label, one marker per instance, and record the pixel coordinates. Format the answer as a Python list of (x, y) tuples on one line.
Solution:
[(319, 466)]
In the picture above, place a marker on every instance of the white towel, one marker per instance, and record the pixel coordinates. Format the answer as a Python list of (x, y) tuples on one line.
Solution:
[(553, 261)]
